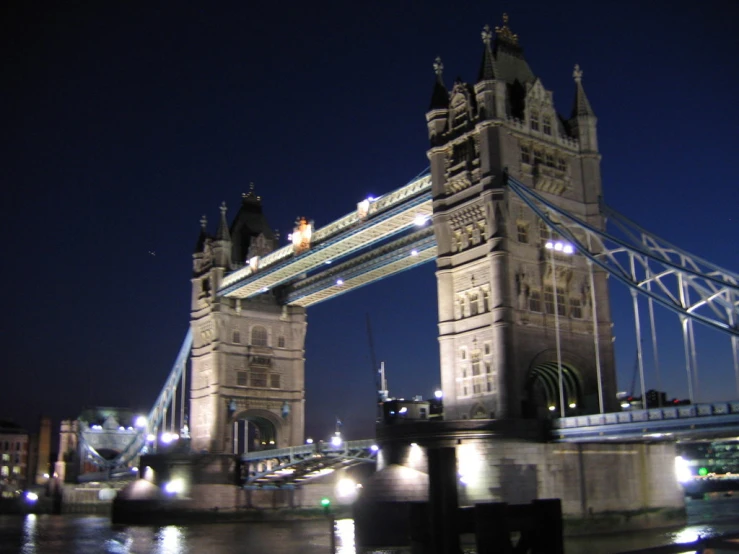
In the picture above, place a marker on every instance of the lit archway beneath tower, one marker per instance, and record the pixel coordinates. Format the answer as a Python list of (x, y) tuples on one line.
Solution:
[(254, 430), (543, 394)]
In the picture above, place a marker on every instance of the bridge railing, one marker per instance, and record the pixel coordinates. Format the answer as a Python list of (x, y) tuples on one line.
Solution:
[(654, 414)]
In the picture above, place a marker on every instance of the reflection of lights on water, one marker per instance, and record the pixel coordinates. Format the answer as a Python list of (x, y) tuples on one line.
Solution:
[(692, 534), (29, 533), (344, 530), (171, 540)]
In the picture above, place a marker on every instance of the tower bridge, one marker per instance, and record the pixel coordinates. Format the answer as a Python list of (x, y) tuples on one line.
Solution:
[(511, 212)]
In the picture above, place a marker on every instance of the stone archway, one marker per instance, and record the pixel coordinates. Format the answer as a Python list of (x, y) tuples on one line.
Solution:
[(542, 390), (254, 430)]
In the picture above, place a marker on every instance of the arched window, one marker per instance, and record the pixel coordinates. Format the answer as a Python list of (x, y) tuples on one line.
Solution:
[(259, 336)]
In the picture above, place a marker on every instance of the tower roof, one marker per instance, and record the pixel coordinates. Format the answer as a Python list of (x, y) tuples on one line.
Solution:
[(440, 96), (487, 65), (249, 223), (510, 64), (581, 106)]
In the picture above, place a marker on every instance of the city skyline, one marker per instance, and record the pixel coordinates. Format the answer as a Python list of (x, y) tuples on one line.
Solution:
[(129, 125)]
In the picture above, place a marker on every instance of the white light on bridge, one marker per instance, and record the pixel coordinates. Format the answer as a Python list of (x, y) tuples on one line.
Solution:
[(309, 441), (414, 252), (31, 496), (175, 486), (625, 405), (339, 282), (150, 437), (682, 470), (438, 394), (328, 262), (140, 422), (559, 246), (552, 408), (336, 440), (420, 220), (374, 448), (346, 488), (573, 405), (169, 437)]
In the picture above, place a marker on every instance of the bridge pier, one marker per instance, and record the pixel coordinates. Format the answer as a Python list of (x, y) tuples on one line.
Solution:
[(602, 486)]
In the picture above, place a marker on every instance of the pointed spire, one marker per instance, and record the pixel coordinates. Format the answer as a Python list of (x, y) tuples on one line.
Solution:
[(223, 233), (440, 96), (487, 67), (200, 245), (581, 106)]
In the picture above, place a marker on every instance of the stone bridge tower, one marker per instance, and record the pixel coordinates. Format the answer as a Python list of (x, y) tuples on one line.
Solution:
[(247, 354), (497, 282)]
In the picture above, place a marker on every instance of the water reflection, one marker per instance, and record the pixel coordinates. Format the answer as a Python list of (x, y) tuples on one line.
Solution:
[(344, 532), (29, 534), (94, 534)]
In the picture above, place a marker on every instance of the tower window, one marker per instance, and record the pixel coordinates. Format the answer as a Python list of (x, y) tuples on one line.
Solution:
[(525, 154), (474, 304), (535, 301), (550, 160), (488, 368), (259, 336), (241, 378), (547, 124), (549, 300), (538, 157), (259, 380), (534, 119), (561, 164), (476, 388), (487, 348), (274, 381), (475, 367), (463, 353), (280, 342), (236, 337), (523, 232), (575, 308)]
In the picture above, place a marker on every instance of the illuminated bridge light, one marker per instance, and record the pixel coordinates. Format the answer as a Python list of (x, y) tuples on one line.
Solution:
[(414, 252), (339, 282), (420, 220)]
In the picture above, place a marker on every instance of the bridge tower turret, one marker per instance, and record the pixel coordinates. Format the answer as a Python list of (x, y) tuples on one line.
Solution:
[(497, 281), (247, 354)]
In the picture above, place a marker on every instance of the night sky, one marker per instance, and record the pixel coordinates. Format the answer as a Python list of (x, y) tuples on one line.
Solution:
[(125, 122)]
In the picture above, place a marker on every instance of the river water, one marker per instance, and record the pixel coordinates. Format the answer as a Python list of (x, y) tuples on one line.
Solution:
[(41, 534)]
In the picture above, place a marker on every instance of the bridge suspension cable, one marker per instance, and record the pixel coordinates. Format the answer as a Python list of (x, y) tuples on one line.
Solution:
[(156, 418), (691, 287)]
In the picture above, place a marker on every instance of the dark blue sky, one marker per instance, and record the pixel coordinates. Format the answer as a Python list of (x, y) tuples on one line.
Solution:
[(125, 123)]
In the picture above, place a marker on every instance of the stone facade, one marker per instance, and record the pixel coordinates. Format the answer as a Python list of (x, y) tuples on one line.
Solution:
[(247, 354), (497, 282)]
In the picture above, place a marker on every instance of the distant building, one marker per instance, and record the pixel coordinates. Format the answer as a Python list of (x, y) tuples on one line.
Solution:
[(14, 442)]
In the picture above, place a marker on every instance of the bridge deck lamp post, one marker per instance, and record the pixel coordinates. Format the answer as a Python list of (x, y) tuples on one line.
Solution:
[(568, 249)]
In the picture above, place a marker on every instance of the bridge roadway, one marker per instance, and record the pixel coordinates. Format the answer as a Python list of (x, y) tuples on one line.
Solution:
[(288, 466)]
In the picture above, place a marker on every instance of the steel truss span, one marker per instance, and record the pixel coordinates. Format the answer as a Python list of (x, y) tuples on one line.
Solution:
[(681, 282)]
